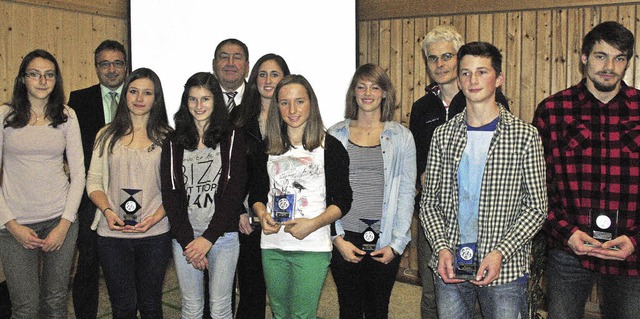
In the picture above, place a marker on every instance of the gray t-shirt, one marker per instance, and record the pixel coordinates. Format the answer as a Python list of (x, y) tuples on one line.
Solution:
[(202, 169)]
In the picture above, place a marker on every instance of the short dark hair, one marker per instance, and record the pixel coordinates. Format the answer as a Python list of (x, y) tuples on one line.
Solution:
[(109, 45), (237, 42), (611, 32), (482, 49)]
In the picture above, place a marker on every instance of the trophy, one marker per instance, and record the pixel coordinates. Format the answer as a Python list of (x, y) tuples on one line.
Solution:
[(603, 225), (369, 236), (283, 207), (466, 263), (130, 206)]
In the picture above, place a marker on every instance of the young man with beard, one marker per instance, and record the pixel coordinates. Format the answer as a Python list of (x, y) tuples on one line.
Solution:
[(591, 136)]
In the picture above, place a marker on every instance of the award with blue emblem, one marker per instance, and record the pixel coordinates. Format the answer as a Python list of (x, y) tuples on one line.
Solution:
[(369, 236), (130, 206), (283, 207), (466, 263)]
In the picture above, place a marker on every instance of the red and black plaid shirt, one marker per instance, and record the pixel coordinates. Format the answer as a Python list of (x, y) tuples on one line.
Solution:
[(592, 150)]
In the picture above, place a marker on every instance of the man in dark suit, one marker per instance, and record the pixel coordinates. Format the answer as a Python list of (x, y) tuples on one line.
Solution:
[(95, 106)]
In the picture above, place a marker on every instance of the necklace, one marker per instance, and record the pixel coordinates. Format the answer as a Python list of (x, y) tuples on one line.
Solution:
[(36, 116)]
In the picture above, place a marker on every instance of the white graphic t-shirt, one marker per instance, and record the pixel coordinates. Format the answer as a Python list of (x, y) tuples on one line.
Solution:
[(299, 174)]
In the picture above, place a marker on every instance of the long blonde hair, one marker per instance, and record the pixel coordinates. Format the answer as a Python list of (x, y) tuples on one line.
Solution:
[(277, 137)]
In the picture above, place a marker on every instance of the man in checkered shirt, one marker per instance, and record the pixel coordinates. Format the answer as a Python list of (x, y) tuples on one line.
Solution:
[(591, 135), (485, 187)]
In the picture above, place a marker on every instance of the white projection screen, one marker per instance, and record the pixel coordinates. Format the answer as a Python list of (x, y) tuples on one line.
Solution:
[(317, 39)]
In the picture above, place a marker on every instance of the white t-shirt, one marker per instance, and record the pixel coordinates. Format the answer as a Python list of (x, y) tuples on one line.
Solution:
[(300, 173)]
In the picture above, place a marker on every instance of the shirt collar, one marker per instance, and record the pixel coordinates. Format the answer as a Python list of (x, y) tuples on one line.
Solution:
[(104, 91)]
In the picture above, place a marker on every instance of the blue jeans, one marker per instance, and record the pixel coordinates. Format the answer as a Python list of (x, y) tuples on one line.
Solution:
[(134, 272), (223, 258), (506, 301), (569, 285), (35, 293)]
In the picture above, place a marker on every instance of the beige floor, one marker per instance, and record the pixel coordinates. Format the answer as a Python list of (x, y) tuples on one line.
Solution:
[(405, 300)]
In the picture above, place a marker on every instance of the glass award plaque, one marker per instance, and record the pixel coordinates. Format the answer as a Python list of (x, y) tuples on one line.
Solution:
[(369, 236), (466, 263), (603, 225), (283, 207), (130, 205)]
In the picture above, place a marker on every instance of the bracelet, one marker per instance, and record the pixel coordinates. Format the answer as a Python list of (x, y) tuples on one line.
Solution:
[(106, 209)]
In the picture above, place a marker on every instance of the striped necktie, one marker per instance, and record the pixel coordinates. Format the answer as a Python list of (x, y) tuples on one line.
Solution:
[(231, 103)]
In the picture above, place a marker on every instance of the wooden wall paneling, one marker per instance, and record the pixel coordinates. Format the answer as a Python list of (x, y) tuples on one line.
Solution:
[(74, 49), (395, 65), (457, 21), (512, 60), (636, 31), (363, 42), (374, 42), (528, 76), (626, 17), (543, 56), (407, 60), (500, 41), (575, 33), (420, 80), (6, 77), (387, 48), (473, 28), (559, 47), (609, 13), (486, 28)]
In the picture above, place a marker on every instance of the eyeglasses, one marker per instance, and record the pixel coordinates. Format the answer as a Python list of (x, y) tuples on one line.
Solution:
[(48, 76), (118, 64), (445, 57)]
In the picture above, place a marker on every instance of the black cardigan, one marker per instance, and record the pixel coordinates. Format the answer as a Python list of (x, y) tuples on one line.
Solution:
[(228, 197), (336, 172)]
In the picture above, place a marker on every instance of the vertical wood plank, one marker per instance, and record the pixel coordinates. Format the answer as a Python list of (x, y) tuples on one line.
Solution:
[(609, 13), (363, 45), (626, 17), (558, 49), (472, 30), (486, 28), (500, 34), (543, 56), (374, 42), (387, 46), (636, 32), (419, 63), (512, 60), (404, 100), (528, 77), (575, 33)]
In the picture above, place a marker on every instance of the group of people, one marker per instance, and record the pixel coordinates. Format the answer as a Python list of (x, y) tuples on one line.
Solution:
[(490, 182), (249, 179), (249, 186)]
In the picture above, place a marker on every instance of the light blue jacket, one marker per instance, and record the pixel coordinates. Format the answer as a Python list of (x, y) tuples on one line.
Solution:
[(399, 157)]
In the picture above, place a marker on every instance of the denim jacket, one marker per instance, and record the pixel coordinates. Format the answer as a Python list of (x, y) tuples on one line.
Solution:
[(399, 157)]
